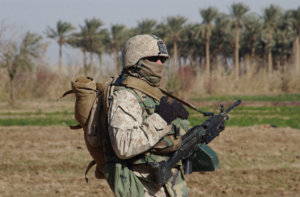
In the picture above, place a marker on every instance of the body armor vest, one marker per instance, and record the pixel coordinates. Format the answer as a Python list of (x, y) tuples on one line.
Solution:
[(168, 144)]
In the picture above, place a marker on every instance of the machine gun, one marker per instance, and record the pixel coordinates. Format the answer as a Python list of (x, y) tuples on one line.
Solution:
[(200, 134)]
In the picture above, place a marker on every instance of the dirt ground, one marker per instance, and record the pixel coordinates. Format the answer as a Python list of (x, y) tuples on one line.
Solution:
[(51, 161)]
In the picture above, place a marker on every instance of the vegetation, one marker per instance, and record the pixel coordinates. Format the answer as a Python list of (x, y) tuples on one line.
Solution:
[(59, 34), (273, 116), (14, 57), (261, 98), (208, 16), (271, 39), (270, 111), (222, 54), (238, 10)]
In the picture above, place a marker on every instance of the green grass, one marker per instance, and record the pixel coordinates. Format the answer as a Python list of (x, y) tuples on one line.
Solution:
[(37, 113), (36, 122), (273, 98), (37, 118), (277, 116)]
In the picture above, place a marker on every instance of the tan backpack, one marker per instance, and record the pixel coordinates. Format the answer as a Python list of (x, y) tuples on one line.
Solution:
[(91, 107)]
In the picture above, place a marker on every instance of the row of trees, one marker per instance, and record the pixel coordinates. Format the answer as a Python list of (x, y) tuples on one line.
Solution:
[(224, 38), (267, 41)]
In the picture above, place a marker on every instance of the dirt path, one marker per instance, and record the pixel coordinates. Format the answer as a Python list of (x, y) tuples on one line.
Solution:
[(50, 161)]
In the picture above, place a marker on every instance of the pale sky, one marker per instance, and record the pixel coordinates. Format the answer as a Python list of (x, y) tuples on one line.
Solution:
[(36, 15)]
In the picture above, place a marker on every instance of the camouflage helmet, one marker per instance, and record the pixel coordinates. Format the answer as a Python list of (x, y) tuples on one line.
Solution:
[(142, 46)]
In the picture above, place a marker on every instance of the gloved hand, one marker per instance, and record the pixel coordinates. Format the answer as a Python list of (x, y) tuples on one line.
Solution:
[(169, 111)]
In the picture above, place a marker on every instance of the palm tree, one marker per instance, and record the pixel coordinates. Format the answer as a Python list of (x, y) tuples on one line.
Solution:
[(101, 46), (92, 36), (271, 14), (161, 30), (119, 35), (60, 34), (208, 15), (284, 36), (249, 41), (296, 24), (253, 27), (221, 40), (79, 40), (238, 10), (174, 24), (190, 40), (145, 26)]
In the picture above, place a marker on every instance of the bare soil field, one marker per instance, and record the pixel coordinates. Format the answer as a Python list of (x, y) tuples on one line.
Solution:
[(51, 161)]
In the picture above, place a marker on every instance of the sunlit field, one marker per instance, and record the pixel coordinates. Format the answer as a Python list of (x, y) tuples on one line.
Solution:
[(258, 151)]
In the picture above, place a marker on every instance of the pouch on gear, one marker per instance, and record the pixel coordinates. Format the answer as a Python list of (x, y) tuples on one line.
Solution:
[(205, 159), (85, 92), (123, 181)]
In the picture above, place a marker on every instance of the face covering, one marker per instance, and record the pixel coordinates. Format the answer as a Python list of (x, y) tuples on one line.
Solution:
[(151, 71)]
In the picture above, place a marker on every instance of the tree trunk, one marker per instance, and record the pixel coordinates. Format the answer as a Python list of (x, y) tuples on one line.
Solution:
[(277, 62), (100, 63), (179, 59), (11, 93), (84, 62), (270, 65), (175, 56), (207, 56), (60, 59), (247, 62), (237, 66), (284, 59), (92, 63), (115, 51), (297, 54), (253, 48)]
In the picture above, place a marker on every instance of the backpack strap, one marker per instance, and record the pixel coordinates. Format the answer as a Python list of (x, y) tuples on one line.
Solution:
[(107, 92), (152, 91), (91, 164), (72, 127), (66, 93), (143, 86)]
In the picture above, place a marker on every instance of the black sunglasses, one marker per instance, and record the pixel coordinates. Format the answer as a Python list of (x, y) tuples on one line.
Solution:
[(155, 58)]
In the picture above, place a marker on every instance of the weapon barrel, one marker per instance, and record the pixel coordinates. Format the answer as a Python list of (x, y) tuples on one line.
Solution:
[(233, 106)]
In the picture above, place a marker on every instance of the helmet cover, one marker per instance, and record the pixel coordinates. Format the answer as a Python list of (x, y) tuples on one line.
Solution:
[(142, 46)]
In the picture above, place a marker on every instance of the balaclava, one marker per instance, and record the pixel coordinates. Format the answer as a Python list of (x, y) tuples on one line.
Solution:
[(149, 71)]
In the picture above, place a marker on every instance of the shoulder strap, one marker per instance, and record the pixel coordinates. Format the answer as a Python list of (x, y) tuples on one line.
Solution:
[(108, 90), (180, 100), (141, 85), (154, 92)]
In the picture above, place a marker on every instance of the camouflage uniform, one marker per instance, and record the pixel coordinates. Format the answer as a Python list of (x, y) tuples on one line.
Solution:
[(138, 136), (134, 129)]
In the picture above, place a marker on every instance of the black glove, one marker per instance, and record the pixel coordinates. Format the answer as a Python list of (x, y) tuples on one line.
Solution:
[(169, 111)]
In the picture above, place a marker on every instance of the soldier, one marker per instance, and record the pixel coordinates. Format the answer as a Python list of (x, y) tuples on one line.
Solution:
[(143, 125)]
